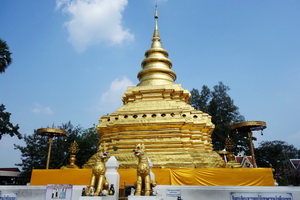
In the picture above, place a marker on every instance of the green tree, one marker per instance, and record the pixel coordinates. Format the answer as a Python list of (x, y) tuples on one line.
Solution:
[(88, 143), (6, 127), (5, 56), (220, 106), (200, 101), (277, 154), (34, 153)]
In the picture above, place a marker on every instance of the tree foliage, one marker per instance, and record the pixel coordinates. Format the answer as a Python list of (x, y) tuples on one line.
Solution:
[(6, 127), (5, 56), (34, 153), (277, 154), (220, 106), (200, 101)]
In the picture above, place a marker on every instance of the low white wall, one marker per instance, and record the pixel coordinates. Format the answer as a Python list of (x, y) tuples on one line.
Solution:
[(186, 192), (24, 192), (39, 192), (222, 192)]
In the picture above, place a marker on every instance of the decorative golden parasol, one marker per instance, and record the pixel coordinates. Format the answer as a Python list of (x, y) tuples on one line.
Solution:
[(248, 127), (51, 133)]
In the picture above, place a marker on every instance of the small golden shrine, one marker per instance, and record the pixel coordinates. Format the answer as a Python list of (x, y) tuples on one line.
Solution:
[(157, 112), (73, 150), (231, 159)]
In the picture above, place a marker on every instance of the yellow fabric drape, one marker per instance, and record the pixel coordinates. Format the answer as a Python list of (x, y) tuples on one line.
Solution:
[(223, 177), (184, 176), (205, 176), (61, 176)]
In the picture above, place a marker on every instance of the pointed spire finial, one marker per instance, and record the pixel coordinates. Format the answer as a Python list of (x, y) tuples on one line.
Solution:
[(156, 13), (156, 67), (156, 37)]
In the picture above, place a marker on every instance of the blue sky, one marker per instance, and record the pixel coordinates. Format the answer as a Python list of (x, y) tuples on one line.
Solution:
[(73, 59)]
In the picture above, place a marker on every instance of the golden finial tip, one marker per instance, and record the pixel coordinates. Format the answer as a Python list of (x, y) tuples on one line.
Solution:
[(156, 13)]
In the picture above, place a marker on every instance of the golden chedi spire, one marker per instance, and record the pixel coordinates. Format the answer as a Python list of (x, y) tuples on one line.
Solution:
[(156, 66), (157, 113), (156, 39)]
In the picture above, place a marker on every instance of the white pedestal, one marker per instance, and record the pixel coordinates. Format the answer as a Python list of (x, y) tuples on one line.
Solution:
[(112, 177), (97, 198), (132, 197), (90, 198)]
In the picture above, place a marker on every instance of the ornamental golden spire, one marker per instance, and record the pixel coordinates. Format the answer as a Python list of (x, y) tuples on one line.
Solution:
[(156, 39), (158, 114), (156, 66)]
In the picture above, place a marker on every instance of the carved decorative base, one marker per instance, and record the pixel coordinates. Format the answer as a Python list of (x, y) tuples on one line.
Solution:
[(131, 197), (232, 164), (90, 198), (98, 198)]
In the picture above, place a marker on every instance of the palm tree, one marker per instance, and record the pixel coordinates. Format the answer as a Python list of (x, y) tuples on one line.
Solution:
[(5, 58)]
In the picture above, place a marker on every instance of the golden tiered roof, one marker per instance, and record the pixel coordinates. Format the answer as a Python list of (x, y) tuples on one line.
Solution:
[(156, 66), (157, 113)]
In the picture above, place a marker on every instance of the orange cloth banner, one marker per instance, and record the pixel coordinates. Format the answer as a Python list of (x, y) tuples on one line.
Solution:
[(61, 176), (205, 176), (164, 176), (223, 177)]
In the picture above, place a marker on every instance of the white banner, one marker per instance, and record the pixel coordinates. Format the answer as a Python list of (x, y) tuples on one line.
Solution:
[(173, 192), (8, 196), (261, 196), (59, 192)]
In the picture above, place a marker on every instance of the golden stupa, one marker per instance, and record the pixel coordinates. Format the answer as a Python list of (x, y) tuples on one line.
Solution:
[(158, 114)]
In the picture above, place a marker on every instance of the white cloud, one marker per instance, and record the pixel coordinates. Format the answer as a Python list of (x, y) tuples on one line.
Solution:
[(111, 100), (40, 109), (94, 21)]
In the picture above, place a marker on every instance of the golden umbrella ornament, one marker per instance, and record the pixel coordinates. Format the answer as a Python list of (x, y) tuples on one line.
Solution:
[(51, 133), (248, 127)]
